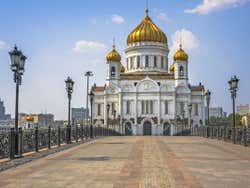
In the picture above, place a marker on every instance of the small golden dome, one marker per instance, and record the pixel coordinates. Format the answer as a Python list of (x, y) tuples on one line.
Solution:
[(29, 118), (113, 56), (180, 55), (147, 31), (171, 68), (122, 69)]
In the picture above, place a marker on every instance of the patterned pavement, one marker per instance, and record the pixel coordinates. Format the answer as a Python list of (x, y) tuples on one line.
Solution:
[(137, 162)]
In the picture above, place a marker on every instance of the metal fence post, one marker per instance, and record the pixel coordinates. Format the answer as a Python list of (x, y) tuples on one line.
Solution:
[(12, 143), (59, 136), (49, 137), (245, 136), (82, 132), (20, 142), (36, 138), (76, 133)]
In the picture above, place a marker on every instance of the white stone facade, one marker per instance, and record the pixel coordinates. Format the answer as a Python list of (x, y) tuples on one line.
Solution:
[(148, 98)]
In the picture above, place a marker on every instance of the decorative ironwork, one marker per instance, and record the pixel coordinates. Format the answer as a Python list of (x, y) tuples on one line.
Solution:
[(40, 138), (242, 136), (4, 143)]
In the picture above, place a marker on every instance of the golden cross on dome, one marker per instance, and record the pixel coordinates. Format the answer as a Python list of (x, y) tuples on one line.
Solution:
[(114, 43), (180, 40), (147, 7)]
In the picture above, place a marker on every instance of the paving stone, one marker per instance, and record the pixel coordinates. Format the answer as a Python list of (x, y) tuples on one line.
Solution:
[(137, 162)]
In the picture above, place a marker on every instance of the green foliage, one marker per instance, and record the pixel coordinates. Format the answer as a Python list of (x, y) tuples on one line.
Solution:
[(228, 120)]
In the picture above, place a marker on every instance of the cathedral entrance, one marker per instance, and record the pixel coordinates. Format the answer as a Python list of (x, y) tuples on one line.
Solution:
[(166, 129), (147, 128), (128, 129)]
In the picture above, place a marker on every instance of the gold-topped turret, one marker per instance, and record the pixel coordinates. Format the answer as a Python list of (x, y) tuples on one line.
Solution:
[(171, 68), (180, 55), (113, 56), (147, 31)]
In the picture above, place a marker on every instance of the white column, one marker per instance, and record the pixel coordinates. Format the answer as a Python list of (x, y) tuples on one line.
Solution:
[(135, 108), (159, 108)]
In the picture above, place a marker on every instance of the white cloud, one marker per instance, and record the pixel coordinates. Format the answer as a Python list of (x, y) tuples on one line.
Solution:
[(3, 45), (208, 6), (163, 17), (117, 19), (188, 39), (84, 46)]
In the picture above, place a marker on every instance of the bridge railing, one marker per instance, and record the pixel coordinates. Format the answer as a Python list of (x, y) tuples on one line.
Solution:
[(35, 139), (242, 135)]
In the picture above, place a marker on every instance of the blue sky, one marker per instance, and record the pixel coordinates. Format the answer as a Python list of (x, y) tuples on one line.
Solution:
[(62, 38)]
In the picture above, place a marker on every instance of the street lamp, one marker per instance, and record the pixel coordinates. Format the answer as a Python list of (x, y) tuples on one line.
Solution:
[(190, 114), (233, 84), (108, 108), (88, 74), (114, 114), (208, 97), (183, 118), (17, 66), (91, 96), (69, 88)]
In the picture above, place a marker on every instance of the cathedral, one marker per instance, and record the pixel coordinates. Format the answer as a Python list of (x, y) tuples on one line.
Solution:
[(146, 95)]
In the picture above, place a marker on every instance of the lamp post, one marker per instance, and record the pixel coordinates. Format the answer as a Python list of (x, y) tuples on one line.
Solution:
[(119, 124), (190, 114), (108, 108), (233, 87), (114, 114), (69, 88), (88, 74), (17, 66), (91, 96), (208, 97), (183, 118)]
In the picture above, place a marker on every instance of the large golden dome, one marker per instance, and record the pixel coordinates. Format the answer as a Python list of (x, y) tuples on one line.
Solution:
[(180, 55), (113, 56), (147, 31)]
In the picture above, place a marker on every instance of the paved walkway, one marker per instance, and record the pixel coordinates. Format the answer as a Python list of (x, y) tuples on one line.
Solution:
[(145, 162)]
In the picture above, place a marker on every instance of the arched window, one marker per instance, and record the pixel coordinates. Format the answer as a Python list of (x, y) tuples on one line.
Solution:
[(155, 61), (138, 61), (112, 71), (146, 61), (181, 71)]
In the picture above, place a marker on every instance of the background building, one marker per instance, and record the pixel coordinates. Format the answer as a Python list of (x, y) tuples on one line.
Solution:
[(3, 116), (243, 109), (32, 120), (79, 115), (216, 112), (245, 120)]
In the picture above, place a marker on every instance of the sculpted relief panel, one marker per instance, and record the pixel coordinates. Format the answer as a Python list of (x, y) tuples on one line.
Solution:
[(147, 86)]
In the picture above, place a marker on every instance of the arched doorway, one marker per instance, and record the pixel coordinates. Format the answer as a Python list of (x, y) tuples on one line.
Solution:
[(147, 128), (128, 129), (166, 129)]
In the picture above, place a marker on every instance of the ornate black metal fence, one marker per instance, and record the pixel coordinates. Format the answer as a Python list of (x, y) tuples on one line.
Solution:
[(36, 139), (242, 135)]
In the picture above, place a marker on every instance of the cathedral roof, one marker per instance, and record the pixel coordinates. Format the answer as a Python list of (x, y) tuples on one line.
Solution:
[(200, 87), (96, 88), (147, 31)]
